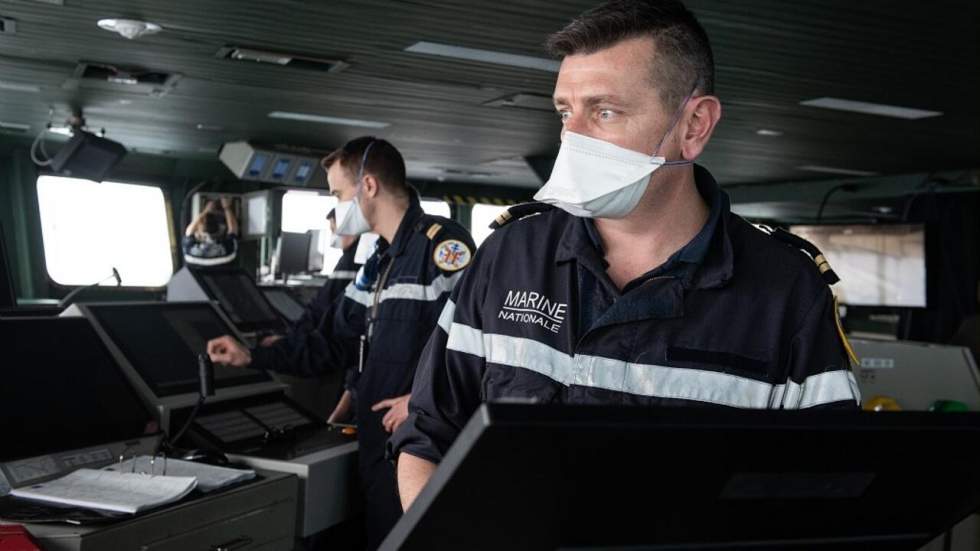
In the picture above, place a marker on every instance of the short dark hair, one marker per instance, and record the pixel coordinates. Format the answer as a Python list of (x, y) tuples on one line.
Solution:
[(685, 60), (383, 161), (332, 215), (214, 223)]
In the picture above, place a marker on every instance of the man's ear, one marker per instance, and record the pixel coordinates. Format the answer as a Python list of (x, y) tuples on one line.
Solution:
[(701, 116), (371, 186)]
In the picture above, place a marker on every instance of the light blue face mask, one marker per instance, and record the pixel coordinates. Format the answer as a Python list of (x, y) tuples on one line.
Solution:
[(597, 179)]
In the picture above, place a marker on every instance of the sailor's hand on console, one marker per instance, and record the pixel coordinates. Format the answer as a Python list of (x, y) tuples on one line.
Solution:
[(226, 350), (396, 415)]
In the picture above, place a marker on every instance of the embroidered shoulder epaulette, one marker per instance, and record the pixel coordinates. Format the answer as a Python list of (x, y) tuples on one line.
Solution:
[(828, 274), (518, 212)]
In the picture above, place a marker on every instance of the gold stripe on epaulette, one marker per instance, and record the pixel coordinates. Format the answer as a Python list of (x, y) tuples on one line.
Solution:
[(433, 230), (503, 217), (822, 263)]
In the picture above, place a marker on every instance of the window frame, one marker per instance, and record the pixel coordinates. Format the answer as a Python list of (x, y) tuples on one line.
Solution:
[(452, 210), (473, 208), (176, 264), (322, 192)]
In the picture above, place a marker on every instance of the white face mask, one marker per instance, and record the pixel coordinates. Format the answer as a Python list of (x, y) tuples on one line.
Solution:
[(350, 218), (597, 179)]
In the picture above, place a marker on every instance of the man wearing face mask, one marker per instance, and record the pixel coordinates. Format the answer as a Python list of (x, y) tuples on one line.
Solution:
[(637, 285), (306, 350), (391, 307)]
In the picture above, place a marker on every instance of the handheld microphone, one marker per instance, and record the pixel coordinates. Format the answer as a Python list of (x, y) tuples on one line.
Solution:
[(70, 296), (205, 374)]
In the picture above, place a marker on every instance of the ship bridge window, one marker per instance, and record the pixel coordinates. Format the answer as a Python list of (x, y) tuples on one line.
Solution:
[(89, 228), (483, 215)]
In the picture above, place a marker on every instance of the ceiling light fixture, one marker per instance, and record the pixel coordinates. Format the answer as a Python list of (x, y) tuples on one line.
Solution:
[(130, 28), (15, 126), (836, 170), (537, 102), (769, 132), (322, 119), (867, 108), (282, 59), (485, 56), (244, 54), (18, 87)]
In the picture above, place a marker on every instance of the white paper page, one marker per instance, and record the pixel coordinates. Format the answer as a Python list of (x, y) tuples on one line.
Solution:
[(110, 491), (209, 477)]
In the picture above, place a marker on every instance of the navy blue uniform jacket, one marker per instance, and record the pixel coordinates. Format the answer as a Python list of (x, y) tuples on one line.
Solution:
[(734, 319), (403, 288)]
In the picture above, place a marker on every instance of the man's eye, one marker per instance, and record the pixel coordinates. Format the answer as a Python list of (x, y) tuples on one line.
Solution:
[(564, 115), (606, 114)]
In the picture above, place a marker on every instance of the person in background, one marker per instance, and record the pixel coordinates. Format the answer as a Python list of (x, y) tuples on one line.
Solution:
[(391, 307), (306, 349), (212, 238)]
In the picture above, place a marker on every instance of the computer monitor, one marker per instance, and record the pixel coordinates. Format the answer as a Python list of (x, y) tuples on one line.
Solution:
[(240, 298), (554, 477), (8, 299), (87, 156), (294, 253), (63, 390), (161, 341), (879, 265), (314, 261), (290, 308)]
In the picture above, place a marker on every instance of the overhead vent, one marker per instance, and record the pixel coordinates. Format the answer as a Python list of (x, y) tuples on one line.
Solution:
[(521, 100), (106, 76), (466, 173), (282, 59), (292, 166)]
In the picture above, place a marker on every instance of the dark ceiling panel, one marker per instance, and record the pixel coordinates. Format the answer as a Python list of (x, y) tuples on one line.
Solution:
[(770, 55)]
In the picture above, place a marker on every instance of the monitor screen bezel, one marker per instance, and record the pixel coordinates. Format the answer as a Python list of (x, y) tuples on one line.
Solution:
[(8, 297), (273, 324), (926, 290), (283, 292), (255, 382), (111, 356), (308, 242)]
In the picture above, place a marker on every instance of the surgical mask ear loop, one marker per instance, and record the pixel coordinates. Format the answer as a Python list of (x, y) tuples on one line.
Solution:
[(360, 169), (677, 119)]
